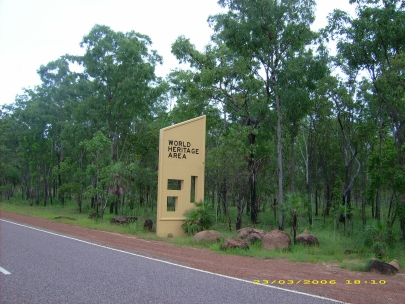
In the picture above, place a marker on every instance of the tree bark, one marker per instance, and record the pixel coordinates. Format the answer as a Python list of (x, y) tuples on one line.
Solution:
[(252, 182), (327, 196), (292, 165), (316, 202), (279, 163)]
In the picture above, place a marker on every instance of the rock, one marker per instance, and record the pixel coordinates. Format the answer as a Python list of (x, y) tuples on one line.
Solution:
[(307, 239), (148, 224), (209, 236), (245, 232), (395, 264), (276, 239), (123, 219), (382, 267), (230, 243), (254, 237)]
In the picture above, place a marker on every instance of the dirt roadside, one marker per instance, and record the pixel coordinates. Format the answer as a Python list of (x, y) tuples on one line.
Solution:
[(326, 280)]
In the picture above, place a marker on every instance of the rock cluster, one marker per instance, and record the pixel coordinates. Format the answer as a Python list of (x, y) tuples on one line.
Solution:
[(251, 235), (273, 240), (307, 239), (148, 225), (383, 268), (209, 236), (276, 239), (231, 243)]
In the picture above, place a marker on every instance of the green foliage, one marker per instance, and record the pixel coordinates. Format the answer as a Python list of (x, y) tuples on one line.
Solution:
[(294, 202), (374, 42), (199, 218), (378, 236), (384, 169), (226, 158)]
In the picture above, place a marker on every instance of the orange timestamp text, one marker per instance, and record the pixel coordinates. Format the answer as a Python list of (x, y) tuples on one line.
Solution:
[(318, 282)]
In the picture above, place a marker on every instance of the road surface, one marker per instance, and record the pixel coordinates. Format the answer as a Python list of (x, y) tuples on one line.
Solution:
[(40, 266)]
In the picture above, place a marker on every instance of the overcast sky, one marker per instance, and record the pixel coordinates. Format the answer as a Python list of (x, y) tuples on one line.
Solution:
[(36, 32)]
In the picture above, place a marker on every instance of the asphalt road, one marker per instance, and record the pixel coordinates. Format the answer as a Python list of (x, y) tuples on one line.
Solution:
[(38, 266)]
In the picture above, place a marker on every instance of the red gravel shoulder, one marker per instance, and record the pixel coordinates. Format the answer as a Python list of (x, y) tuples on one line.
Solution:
[(326, 280)]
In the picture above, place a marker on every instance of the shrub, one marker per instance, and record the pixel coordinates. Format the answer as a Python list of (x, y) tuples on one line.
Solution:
[(199, 218), (378, 236)]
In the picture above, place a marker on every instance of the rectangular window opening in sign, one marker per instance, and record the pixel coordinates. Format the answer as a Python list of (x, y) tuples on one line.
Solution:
[(193, 188), (174, 184), (171, 203)]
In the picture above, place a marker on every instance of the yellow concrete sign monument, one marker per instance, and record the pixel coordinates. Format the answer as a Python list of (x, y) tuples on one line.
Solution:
[(181, 173)]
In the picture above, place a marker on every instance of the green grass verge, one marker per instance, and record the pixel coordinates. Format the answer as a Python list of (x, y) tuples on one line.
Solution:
[(333, 241)]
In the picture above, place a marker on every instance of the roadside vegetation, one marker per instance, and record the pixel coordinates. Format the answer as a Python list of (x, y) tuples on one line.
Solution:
[(333, 241), (296, 133)]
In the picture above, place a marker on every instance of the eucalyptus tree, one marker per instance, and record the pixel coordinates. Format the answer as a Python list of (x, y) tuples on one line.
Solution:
[(226, 160), (302, 75), (97, 168), (121, 82), (374, 41), (142, 165), (33, 144), (348, 113), (221, 78), (270, 34), (58, 96), (12, 130), (11, 164), (40, 117)]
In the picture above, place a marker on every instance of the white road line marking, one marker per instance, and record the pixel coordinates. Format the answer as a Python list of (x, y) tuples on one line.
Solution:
[(170, 263), (4, 271)]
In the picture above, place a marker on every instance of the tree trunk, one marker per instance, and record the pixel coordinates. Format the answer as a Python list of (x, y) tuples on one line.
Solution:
[(327, 196), (310, 219), (45, 187), (363, 211), (254, 208), (294, 226), (316, 202), (372, 209), (213, 196), (239, 206), (45, 192), (378, 205), (61, 197), (112, 207), (54, 188), (390, 207), (117, 202), (280, 163), (402, 224), (79, 203), (292, 166)]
